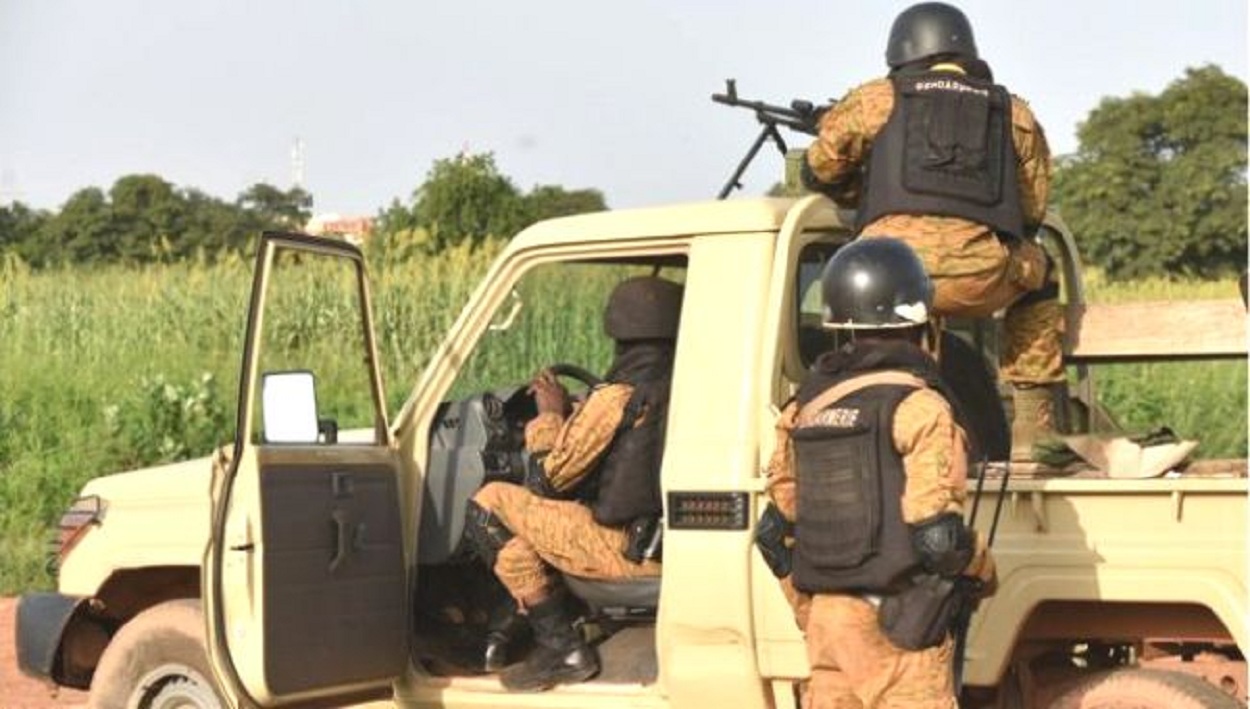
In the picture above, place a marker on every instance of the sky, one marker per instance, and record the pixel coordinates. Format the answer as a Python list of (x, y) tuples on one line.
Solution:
[(578, 93)]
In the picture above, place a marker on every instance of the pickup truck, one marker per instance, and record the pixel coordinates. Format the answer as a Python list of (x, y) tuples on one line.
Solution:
[(304, 566)]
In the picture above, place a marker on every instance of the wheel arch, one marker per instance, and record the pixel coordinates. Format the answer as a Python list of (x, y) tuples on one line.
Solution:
[(1056, 628), (122, 596)]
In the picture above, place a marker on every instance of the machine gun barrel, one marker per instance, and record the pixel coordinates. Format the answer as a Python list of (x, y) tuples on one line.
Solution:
[(801, 117)]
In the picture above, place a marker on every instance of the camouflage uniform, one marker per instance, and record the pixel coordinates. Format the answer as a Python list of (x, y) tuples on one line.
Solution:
[(853, 665), (562, 533), (974, 273)]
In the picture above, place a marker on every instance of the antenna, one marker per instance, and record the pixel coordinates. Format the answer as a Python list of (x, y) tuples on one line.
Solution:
[(297, 163)]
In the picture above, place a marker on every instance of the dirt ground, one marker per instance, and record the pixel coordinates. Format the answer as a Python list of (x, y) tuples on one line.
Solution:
[(17, 691)]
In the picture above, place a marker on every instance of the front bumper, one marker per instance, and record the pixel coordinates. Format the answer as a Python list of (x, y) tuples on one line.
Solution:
[(41, 622)]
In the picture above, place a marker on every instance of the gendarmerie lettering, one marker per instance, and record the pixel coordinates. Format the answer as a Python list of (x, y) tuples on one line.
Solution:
[(949, 85)]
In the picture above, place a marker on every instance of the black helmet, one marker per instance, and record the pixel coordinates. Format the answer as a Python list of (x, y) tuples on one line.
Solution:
[(929, 29), (643, 308), (874, 283)]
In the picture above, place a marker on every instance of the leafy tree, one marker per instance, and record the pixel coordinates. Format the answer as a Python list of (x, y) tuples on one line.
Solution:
[(550, 201), (19, 229), (213, 225), (81, 232), (288, 209), (1158, 184), (147, 218), (465, 198)]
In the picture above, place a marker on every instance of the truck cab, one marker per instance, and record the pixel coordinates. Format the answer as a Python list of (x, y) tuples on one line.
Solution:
[(318, 560)]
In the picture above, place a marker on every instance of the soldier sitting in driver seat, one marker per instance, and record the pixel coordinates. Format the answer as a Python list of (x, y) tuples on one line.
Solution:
[(596, 477)]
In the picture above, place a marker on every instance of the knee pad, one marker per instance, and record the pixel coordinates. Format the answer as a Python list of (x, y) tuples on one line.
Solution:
[(485, 533)]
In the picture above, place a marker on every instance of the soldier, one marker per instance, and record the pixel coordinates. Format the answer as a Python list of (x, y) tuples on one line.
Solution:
[(938, 155), (870, 468), (605, 455)]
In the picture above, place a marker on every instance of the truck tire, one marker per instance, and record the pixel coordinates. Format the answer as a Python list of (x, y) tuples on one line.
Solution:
[(157, 661), (1132, 688)]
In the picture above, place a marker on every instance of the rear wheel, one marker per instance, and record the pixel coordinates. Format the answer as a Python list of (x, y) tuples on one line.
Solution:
[(157, 661), (1132, 688)]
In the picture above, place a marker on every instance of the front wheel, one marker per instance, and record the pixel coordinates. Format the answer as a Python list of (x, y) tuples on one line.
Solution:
[(157, 661), (1132, 688)]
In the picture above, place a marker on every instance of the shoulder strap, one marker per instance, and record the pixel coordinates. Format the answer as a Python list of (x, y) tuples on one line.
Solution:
[(850, 386)]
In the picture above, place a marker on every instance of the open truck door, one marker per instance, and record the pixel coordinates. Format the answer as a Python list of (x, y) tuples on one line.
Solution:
[(304, 581)]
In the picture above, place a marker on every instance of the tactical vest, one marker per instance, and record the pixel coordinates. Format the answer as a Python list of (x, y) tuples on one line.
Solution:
[(627, 481), (850, 534), (946, 150)]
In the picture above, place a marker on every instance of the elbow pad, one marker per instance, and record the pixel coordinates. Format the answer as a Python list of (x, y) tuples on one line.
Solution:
[(944, 544), (772, 534)]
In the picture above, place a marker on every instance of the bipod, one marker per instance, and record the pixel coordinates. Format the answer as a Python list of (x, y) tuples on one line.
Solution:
[(735, 180)]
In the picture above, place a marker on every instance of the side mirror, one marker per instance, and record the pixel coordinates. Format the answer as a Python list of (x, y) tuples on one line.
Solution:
[(289, 407)]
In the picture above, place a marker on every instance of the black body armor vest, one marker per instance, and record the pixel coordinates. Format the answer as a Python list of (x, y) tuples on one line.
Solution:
[(850, 534), (627, 482), (946, 150)]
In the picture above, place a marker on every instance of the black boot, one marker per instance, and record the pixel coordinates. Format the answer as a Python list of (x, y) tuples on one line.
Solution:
[(560, 654), (505, 633)]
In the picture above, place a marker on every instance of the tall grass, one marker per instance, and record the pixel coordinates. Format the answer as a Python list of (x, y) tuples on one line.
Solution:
[(1205, 401), (109, 369)]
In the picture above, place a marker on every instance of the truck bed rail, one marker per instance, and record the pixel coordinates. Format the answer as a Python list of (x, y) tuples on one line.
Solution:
[(1162, 330)]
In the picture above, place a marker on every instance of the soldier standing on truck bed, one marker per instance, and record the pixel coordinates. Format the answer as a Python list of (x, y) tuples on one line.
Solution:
[(870, 468), (938, 155), (605, 455)]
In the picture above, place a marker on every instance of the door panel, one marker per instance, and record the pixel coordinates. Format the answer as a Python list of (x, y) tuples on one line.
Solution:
[(333, 566), (304, 577)]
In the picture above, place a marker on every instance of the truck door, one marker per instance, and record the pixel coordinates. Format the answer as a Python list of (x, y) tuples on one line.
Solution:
[(304, 579), (813, 231)]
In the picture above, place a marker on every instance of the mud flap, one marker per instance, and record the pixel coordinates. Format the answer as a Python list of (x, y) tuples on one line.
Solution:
[(41, 621)]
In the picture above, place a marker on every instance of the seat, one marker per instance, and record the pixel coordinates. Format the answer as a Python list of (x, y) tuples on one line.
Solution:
[(617, 598)]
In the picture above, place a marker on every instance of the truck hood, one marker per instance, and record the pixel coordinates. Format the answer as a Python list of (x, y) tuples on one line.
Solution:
[(187, 479)]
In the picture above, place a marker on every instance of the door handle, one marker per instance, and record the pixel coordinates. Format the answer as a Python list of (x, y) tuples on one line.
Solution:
[(343, 543)]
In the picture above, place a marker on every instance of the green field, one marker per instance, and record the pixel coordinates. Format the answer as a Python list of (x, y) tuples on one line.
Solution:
[(109, 369)]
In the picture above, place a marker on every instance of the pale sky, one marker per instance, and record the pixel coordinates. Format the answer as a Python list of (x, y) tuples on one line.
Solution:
[(614, 96)]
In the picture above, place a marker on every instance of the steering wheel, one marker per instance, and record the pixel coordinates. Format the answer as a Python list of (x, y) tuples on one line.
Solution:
[(572, 371)]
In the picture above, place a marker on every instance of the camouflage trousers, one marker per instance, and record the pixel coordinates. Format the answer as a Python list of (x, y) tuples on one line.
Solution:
[(1000, 276), (556, 534), (854, 666)]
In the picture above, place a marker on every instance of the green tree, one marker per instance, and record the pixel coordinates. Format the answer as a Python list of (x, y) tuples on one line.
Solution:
[(214, 226), (81, 232), (1158, 183), (550, 201), (465, 198), (276, 208), (19, 229), (148, 216)]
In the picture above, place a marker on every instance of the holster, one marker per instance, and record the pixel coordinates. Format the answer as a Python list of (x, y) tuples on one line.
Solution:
[(921, 615), (644, 539), (771, 533)]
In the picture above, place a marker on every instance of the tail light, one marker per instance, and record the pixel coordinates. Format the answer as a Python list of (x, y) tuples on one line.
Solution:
[(83, 514)]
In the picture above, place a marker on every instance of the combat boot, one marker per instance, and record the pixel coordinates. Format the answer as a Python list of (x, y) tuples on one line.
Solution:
[(560, 655), (1033, 421), (505, 632)]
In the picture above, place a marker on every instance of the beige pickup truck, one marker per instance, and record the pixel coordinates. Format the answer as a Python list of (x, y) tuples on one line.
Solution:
[(301, 566)]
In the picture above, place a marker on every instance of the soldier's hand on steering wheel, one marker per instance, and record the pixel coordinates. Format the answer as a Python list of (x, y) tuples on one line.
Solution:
[(549, 394)]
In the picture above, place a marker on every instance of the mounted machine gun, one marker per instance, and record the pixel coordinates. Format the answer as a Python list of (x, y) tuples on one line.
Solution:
[(802, 117)]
